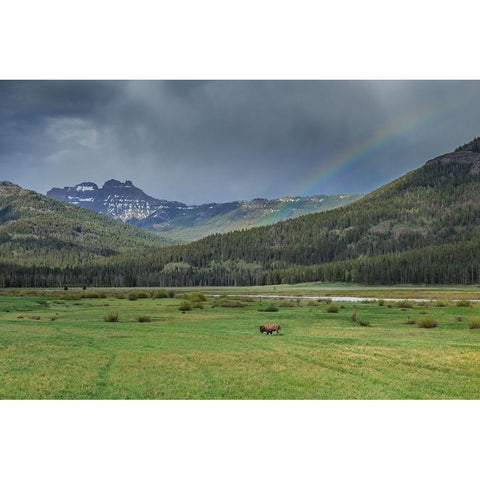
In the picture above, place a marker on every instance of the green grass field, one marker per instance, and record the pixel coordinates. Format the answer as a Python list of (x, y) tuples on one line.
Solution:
[(58, 348)]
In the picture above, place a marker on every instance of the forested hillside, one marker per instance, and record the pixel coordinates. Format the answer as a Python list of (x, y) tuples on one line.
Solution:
[(421, 228), (37, 230)]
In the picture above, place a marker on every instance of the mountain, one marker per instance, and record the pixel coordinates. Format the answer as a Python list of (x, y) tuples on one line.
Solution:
[(122, 201), (39, 231), (421, 228), (180, 222)]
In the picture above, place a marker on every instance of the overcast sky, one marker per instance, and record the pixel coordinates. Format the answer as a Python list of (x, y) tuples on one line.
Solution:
[(215, 141)]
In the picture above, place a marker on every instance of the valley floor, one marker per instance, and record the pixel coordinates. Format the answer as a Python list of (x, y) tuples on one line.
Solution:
[(56, 345)]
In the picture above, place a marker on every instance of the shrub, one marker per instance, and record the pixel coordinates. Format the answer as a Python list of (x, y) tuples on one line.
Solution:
[(185, 306), (440, 304), (364, 323), (132, 296), (171, 294), (287, 303), (230, 303), (328, 301), (84, 287), (312, 303), (427, 323), (102, 295), (142, 295), (410, 321), (459, 319), (143, 319), (381, 303), (90, 295), (70, 297), (332, 308), (198, 297), (197, 305), (463, 303), (65, 287), (404, 304), (353, 318), (271, 308), (112, 317), (474, 324), (160, 294), (422, 312)]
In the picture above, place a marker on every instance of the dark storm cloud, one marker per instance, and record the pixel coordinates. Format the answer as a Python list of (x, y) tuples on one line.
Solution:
[(223, 140)]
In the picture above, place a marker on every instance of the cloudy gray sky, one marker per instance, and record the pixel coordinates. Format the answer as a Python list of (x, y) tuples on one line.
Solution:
[(208, 141)]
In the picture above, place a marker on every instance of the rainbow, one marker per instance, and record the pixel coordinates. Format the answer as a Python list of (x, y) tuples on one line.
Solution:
[(350, 160)]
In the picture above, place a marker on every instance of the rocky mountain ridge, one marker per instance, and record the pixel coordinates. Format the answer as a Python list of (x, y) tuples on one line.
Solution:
[(181, 222)]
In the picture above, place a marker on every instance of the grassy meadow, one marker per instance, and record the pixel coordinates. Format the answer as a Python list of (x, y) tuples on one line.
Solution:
[(57, 345)]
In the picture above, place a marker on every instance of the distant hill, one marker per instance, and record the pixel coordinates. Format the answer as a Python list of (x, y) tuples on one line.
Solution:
[(37, 230), (421, 228), (184, 223)]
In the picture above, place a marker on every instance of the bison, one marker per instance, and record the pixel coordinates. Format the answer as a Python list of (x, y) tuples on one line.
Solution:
[(270, 328)]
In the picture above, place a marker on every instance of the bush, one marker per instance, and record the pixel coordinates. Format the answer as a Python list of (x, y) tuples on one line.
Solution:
[(160, 294), (404, 304), (440, 304), (270, 308), (65, 288), (112, 317), (132, 297), (223, 302), (427, 323), (197, 305), (142, 295), (410, 321), (90, 295), (69, 297), (198, 297), (474, 324), (312, 303), (381, 303), (423, 312), (328, 301), (143, 319), (185, 306), (332, 308), (459, 319), (84, 287), (463, 303), (288, 303), (171, 294), (353, 318), (364, 323)]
